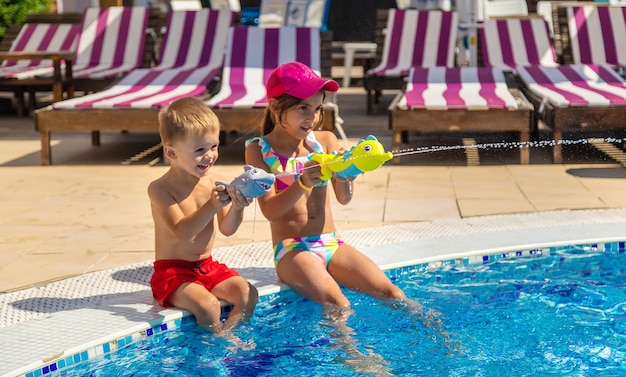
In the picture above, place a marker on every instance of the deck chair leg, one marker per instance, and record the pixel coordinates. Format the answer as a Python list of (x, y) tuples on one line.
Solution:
[(20, 103), (524, 151), (405, 137), (370, 102), (396, 143), (557, 151), (95, 138), (46, 152), (377, 95), (32, 101)]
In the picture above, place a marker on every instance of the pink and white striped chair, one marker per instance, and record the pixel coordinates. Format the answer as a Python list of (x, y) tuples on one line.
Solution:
[(111, 42), (21, 75), (191, 58), (564, 96), (252, 55), (38, 37), (467, 99), (595, 33), (511, 42), (413, 38)]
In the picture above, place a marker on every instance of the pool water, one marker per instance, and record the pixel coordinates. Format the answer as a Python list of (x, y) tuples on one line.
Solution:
[(561, 312)]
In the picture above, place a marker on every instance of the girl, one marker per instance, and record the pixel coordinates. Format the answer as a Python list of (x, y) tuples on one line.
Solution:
[(309, 255)]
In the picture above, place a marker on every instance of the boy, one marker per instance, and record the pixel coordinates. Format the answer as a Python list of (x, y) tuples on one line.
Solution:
[(185, 202)]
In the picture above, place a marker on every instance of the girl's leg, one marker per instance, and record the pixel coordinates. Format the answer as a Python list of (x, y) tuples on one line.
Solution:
[(355, 271), (201, 303), (307, 275), (242, 295)]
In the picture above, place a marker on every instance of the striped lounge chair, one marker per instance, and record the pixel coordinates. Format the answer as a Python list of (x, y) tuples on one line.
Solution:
[(412, 38), (576, 96), (110, 45), (20, 75), (252, 55), (192, 55), (38, 37), (595, 34), (459, 99)]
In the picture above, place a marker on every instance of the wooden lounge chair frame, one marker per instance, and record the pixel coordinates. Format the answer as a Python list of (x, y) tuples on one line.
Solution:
[(48, 120), (571, 118), (31, 86), (65, 83), (520, 120), (374, 84)]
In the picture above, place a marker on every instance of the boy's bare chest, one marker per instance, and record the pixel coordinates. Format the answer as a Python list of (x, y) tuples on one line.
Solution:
[(191, 201)]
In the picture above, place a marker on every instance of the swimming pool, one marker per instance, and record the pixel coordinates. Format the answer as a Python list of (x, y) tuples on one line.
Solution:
[(101, 322), (555, 310)]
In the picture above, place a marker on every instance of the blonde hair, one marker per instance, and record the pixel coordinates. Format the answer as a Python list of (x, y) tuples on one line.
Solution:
[(185, 117), (283, 103)]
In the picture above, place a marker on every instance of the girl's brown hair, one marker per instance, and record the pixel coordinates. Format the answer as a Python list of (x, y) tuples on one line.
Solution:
[(283, 103)]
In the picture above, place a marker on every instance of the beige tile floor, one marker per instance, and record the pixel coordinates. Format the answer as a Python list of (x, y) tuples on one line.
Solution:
[(89, 211)]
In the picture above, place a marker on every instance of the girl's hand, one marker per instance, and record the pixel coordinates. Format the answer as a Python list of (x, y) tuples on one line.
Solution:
[(337, 178), (311, 174)]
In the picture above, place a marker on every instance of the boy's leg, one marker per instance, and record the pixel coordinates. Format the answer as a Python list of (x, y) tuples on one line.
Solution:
[(200, 302), (304, 272), (355, 271), (242, 295)]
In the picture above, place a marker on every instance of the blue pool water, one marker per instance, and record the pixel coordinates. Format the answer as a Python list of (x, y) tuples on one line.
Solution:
[(561, 312)]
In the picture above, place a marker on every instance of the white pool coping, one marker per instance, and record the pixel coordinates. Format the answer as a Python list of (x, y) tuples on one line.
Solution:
[(41, 324)]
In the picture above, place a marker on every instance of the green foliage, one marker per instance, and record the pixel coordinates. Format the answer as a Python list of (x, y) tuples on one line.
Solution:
[(14, 12)]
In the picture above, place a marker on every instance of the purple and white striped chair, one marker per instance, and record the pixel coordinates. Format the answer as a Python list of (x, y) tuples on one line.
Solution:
[(595, 32), (38, 37), (192, 56), (443, 99), (252, 56), (564, 96), (413, 38), (111, 42), (519, 42)]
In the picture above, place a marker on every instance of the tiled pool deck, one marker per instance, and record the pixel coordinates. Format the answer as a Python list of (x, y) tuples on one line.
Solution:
[(76, 237)]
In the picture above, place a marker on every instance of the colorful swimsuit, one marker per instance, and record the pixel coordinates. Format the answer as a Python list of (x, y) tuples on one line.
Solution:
[(323, 246), (287, 170)]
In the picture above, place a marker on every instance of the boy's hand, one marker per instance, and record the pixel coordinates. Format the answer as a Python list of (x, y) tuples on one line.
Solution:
[(220, 197), (239, 201)]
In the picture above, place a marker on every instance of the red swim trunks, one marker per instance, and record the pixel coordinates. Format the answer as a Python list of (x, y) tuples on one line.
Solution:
[(169, 274)]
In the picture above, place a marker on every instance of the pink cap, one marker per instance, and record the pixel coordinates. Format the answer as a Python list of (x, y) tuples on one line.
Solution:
[(297, 80)]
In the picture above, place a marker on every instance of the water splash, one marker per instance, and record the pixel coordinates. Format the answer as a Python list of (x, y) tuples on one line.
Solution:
[(494, 145), (502, 145)]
